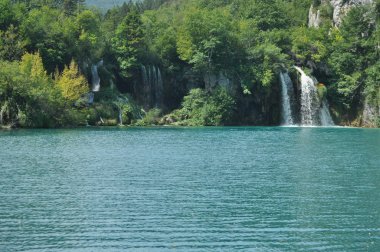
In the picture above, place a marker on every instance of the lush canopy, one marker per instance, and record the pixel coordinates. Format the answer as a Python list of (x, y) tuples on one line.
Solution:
[(195, 44)]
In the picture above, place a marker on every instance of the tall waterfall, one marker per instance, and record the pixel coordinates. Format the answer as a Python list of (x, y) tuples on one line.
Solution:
[(309, 102), (313, 111), (153, 84), (287, 97), (95, 79)]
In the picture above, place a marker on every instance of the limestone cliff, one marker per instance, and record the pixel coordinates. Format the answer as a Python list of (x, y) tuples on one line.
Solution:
[(371, 115), (340, 9), (314, 17)]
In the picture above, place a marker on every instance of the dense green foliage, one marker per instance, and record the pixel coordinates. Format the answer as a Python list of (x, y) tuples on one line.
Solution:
[(29, 97), (202, 108), (195, 43)]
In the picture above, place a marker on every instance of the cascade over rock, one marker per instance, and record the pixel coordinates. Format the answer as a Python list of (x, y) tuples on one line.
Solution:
[(153, 87), (309, 102), (95, 79), (324, 114), (287, 99), (313, 112)]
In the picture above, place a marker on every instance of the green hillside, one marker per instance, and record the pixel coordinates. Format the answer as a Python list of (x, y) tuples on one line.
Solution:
[(189, 63)]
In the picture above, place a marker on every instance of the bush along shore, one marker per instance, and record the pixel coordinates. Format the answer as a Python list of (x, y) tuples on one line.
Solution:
[(189, 63)]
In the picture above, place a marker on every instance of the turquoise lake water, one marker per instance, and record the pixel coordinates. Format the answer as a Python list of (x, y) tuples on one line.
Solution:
[(190, 189)]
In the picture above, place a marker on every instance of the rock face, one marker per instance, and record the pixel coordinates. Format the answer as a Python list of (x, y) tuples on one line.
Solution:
[(371, 114), (213, 80), (314, 17), (341, 7)]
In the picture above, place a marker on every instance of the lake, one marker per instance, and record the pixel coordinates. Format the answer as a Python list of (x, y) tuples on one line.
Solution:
[(190, 189)]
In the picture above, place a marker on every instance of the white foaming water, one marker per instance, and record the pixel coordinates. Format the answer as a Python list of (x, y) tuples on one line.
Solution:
[(325, 115), (95, 81), (120, 117), (313, 111), (309, 102)]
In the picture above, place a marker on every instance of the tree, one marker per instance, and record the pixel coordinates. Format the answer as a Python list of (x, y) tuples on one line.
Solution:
[(44, 30), (6, 14), (127, 42), (32, 67), (372, 85), (267, 61), (206, 39), (11, 45), (89, 41), (72, 83)]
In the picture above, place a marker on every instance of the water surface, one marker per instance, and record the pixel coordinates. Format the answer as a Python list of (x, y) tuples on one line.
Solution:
[(190, 189)]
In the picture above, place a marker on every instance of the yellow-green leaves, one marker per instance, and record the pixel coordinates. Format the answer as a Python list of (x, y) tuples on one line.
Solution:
[(72, 83)]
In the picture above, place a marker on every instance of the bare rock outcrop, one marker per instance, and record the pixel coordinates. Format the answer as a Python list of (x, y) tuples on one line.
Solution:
[(340, 9)]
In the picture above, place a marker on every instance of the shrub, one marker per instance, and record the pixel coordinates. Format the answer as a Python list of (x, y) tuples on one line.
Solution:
[(152, 117), (200, 108)]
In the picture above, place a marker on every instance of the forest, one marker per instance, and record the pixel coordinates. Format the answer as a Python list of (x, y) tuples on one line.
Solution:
[(184, 62)]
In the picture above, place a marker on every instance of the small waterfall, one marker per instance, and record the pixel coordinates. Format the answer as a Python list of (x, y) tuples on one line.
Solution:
[(287, 98), (152, 84), (120, 117), (309, 100), (144, 75), (325, 115), (121, 101), (159, 89), (91, 97), (95, 81)]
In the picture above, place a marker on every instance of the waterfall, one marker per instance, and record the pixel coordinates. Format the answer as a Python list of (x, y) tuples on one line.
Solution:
[(152, 84), (309, 107), (325, 115), (120, 102), (313, 111), (95, 81), (120, 117), (91, 97), (144, 75), (159, 89), (287, 98)]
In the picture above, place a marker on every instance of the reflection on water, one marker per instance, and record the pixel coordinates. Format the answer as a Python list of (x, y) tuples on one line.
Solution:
[(260, 189)]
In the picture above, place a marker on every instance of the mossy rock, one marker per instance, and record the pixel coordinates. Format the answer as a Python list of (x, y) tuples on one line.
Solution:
[(322, 91), (109, 122)]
